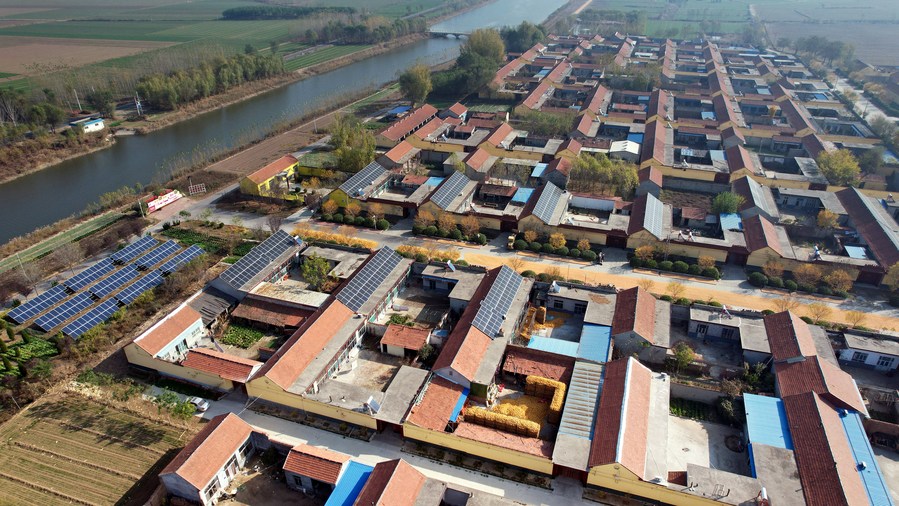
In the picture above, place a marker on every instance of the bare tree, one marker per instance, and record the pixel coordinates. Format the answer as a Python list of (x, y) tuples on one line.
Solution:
[(274, 222)]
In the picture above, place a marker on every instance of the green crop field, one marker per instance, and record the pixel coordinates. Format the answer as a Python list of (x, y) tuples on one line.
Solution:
[(322, 56)]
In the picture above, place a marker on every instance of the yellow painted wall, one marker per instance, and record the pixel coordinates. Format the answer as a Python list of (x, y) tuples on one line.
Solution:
[(487, 451), (266, 390), (677, 248), (439, 147), (503, 153), (623, 480), (340, 197), (314, 171), (136, 355), (699, 175), (392, 209)]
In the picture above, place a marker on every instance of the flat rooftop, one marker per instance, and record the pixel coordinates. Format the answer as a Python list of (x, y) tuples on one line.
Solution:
[(346, 261), (291, 291), (467, 281)]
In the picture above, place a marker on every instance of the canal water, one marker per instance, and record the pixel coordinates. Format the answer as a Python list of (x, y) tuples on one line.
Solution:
[(46, 196)]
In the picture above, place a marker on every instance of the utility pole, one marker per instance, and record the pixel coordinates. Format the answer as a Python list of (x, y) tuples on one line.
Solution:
[(77, 101)]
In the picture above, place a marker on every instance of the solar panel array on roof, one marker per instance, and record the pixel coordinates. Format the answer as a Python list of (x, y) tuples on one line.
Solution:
[(37, 305), (114, 282), (449, 190), (131, 251), (157, 255), (496, 304), (258, 259), (133, 291), (363, 178), (361, 287), (64, 311), (652, 219), (181, 259), (91, 319), (91, 274), (547, 202)]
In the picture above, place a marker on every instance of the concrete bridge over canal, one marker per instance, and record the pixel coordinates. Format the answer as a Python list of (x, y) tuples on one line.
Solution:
[(446, 34)]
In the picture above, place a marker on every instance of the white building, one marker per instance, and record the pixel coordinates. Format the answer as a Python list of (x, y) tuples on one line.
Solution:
[(867, 350), (89, 125)]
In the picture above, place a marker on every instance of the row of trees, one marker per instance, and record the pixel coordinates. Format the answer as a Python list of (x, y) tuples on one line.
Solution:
[(522, 37), (168, 91), (599, 174), (373, 31), (279, 12), (481, 55), (819, 47)]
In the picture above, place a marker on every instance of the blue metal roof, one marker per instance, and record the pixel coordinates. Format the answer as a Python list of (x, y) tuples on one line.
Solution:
[(707, 115), (399, 110), (557, 346), (858, 252), (717, 155), (638, 138), (434, 181), (871, 476), (522, 195), (731, 221), (349, 485), (459, 404), (766, 421), (595, 343), (539, 169)]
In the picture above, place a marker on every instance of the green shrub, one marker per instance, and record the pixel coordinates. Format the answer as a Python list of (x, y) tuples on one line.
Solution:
[(683, 301), (481, 239), (695, 270), (711, 272), (651, 264), (456, 235), (589, 255), (666, 298), (520, 245), (790, 285), (776, 282), (843, 294), (421, 258), (666, 265), (442, 233), (461, 262), (383, 224), (825, 290), (370, 222), (574, 253), (636, 263), (681, 267), (563, 251), (418, 229), (543, 277), (805, 287), (359, 221), (758, 279), (327, 217), (548, 248), (337, 217), (431, 230), (529, 274), (714, 303), (349, 220), (767, 311), (535, 247), (807, 319)]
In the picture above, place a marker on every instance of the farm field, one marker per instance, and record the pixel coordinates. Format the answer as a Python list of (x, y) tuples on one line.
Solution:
[(875, 43), (65, 450), (322, 56), (22, 55)]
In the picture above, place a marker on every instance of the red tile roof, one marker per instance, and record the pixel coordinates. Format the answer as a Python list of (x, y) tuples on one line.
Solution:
[(428, 128), (820, 376), (486, 435), (477, 159), (408, 338), (270, 312), (869, 226), (273, 169), (415, 180), (738, 158), (533, 362), (226, 366), (693, 213), (161, 334), (584, 123), (286, 366), (399, 152), (788, 336), (458, 109), (209, 450), (560, 165), (760, 233), (571, 145), (827, 469), (654, 142), (436, 405), (405, 126), (500, 134), (626, 380), (320, 464), (391, 483), (534, 99), (635, 310), (498, 190), (596, 99), (650, 174)]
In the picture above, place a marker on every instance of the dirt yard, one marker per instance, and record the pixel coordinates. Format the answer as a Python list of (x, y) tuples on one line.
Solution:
[(24, 55)]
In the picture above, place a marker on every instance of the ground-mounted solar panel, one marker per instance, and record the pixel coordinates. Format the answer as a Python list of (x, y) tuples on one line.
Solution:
[(178, 261), (37, 305), (372, 275), (258, 259), (115, 281), (157, 255), (51, 319), (91, 319), (130, 252), (363, 178), (133, 291), (547, 202), (449, 190), (495, 306), (89, 275)]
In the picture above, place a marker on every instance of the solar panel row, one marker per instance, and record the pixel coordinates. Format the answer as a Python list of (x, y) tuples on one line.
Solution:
[(363, 178), (372, 275), (91, 319), (546, 204), (90, 275), (449, 190), (37, 305), (180, 259), (495, 306), (134, 290), (157, 255), (131, 251), (258, 259), (114, 282), (49, 320)]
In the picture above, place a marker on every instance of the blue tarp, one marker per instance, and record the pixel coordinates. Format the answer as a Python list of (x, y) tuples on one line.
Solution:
[(459, 404), (595, 343), (638, 138), (396, 111), (763, 91), (557, 346), (857, 252), (871, 475), (717, 155), (349, 485), (731, 221), (539, 169), (522, 195), (434, 181), (707, 115)]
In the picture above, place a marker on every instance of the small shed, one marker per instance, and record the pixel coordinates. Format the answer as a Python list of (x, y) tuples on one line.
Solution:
[(310, 468), (400, 340)]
